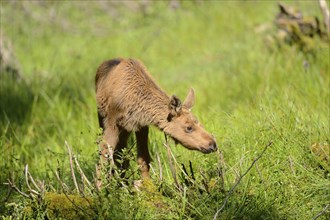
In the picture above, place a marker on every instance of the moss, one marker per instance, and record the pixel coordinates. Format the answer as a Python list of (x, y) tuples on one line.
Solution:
[(151, 200), (69, 207), (151, 194), (28, 211)]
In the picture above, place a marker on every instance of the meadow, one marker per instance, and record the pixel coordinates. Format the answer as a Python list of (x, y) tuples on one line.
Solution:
[(268, 108)]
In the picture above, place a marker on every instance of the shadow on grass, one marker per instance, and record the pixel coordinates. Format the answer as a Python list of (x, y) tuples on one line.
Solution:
[(15, 100), (15, 106)]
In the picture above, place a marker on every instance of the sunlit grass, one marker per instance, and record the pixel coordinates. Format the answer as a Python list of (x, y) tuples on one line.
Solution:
[(247, 95)]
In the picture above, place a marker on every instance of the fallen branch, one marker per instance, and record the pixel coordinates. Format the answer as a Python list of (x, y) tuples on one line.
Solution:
[(321, 212), (239, 180), (14, 187)]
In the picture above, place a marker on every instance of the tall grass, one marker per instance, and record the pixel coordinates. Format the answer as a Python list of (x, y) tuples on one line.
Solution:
[(248, 95)]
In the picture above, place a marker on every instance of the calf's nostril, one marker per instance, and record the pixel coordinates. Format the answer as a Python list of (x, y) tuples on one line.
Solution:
[(213, 146)]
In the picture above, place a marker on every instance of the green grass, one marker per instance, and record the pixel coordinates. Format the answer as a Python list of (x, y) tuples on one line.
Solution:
[(248, 94)]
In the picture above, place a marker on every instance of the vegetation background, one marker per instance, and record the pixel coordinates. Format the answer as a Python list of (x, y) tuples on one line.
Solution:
[(249, 93)]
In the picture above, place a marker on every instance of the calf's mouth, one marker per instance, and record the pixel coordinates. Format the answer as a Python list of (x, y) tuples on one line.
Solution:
[(212, 147)]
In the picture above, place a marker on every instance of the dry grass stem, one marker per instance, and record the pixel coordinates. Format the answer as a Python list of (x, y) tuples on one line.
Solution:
[(160, 167), (71, 167), (81, 172), (27, 179), (172, 166), (39, 189), (259, 173)]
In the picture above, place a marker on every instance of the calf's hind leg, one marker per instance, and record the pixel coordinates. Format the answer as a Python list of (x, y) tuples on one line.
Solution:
[(143, 151)]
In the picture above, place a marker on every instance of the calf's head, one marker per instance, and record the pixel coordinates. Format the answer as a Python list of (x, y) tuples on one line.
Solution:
[(184, 128)]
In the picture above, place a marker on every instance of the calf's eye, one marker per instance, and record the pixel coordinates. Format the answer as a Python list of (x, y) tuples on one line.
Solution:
[(189, 129)]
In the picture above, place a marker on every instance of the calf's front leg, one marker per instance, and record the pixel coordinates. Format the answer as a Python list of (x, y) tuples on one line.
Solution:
[(110, 139)]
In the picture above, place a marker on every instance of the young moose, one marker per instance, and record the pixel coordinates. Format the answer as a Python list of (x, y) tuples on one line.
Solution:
[(128, 100)]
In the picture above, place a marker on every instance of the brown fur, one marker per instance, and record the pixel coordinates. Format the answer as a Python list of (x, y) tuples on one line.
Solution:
[(128, 100)]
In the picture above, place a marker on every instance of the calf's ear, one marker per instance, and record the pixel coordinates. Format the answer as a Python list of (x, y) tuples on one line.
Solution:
[(174, 106), (190, 99)]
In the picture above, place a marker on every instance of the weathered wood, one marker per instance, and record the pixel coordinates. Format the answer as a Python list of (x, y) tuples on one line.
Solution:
[(8, 61), (326, 14)]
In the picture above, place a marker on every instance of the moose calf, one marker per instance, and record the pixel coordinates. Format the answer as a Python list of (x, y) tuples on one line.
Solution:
[(128, 100)]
